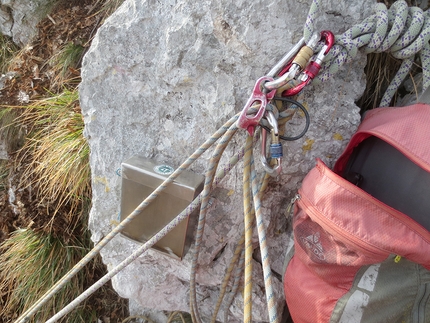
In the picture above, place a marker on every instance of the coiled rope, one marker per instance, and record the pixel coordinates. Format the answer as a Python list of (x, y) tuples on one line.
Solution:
[(401, 30)]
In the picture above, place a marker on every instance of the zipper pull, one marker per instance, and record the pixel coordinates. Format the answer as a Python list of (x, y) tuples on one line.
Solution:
[(291, 204)]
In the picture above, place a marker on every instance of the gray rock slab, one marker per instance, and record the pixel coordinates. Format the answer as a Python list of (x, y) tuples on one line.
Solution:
[(159, 78), (19, 18)]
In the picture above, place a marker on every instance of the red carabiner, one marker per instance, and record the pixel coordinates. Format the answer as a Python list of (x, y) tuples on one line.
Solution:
[(314, 65)]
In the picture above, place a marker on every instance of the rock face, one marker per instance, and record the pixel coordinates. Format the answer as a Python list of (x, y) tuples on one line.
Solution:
[(18, 18), (161, 77)]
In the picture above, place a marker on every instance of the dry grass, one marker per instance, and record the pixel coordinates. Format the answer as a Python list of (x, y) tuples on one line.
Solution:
[(56, 153), (64, 65), (30, 264), (380, 70), (179, 317), (7, 52), (107, 7), (52, 162)]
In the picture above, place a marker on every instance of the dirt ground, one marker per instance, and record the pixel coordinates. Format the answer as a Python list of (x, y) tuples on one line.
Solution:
[(34, 75)]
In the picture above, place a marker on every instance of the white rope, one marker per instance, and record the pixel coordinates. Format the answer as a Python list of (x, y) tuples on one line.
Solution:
[(401, 30)]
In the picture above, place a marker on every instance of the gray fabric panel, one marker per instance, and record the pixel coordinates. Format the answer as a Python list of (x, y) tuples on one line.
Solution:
[(388, 175), (400, 294)]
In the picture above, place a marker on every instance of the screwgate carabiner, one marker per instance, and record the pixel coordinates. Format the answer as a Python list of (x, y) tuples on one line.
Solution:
[(275, 146), (292, 63), (314, 65)]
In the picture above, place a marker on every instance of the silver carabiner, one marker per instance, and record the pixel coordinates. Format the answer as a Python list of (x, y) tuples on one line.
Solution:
[(299, 57), (275, 146)]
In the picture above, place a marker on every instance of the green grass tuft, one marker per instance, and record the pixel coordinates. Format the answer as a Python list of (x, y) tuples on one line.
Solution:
[(31, 263), (57, 153), (7, 51), (11, 131), (64, 65)]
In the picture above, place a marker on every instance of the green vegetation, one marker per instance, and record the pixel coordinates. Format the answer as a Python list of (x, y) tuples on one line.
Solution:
[(57, 153), (31, 263), (7, 51), (49, 170), (54, 160), (64, 64)]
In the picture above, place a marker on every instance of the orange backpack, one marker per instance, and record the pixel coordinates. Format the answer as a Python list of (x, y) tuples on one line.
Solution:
[(361, 241)]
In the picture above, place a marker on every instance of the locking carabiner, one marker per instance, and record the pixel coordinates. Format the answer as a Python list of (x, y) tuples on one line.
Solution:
[(275, 146), (292, 63), (314, 65)]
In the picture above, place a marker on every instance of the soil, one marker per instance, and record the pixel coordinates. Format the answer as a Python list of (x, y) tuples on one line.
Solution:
[(70, 22), (36, 76)]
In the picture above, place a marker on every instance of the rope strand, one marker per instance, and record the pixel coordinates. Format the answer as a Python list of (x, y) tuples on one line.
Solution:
[(401, 30), (62, 282), (209, 178)]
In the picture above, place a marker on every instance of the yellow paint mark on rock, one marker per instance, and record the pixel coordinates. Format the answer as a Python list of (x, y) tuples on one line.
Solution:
[(230, 193), (308, 145), (104, 181), (114, 223), (337, 136), (306, 105)]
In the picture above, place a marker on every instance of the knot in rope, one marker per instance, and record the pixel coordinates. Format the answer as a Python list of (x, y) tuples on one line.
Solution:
[(401, 30)]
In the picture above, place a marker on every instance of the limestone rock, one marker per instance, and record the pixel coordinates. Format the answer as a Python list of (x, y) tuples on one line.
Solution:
[(161, 77), (6, 21), (19, 18)]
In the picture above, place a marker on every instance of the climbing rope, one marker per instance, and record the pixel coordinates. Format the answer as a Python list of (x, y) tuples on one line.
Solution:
[(401, 30), (228, 130), (62, 282), (209, 177), (213, 164), (247, 207), (267, 272)]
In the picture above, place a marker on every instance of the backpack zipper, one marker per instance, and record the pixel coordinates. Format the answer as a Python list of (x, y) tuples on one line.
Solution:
[(413, 225), (334, 230), (291, 204)]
